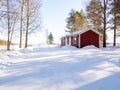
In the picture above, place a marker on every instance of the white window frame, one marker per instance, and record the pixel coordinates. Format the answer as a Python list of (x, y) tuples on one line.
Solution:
[(69, 40), (74, 40)]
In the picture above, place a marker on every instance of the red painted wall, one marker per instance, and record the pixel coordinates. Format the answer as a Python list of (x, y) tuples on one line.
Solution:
[(68, 40), (72, 41), (89, 38), (77, 41), (62, 41)]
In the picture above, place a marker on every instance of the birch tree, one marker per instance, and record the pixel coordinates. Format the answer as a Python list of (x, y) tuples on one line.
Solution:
[(9, 17), (22, 15), (21, 22), (0, 4), (33, 19), (8, 24)]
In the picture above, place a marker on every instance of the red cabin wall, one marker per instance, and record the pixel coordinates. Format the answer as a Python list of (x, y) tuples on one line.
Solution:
[(68, 40), (63, 42), (72, 41), (89, 38), (77, 41)]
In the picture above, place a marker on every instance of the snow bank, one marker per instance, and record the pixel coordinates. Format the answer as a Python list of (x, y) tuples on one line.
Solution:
[(73, 47), (69, 47), (90, 47), (26, 50)]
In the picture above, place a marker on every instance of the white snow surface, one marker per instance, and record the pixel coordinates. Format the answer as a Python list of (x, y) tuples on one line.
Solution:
[(60, 68)]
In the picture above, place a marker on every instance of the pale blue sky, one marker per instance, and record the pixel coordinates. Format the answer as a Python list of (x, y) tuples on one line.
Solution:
[(55, 12)]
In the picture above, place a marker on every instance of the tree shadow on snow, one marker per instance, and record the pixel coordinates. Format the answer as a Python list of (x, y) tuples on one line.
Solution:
[(54, 70), (111, 82)]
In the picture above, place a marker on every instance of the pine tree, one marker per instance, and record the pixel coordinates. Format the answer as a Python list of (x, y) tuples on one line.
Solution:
[(115, 12), (99, 15), (115, 22), (94, 15), (104, 5), (76, 21), (117, 17), (118, 12), (50, 39)]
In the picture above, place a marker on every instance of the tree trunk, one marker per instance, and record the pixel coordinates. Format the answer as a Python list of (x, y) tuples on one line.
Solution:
[(104, 32), (114, 42), (12, 27), (21, 22), (8, 17), (0, 4), (27, 26)]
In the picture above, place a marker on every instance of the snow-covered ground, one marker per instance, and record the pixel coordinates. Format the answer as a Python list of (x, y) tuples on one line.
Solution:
[(55, 68)]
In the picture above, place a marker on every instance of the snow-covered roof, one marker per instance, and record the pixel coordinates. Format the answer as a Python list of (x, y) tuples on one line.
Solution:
[(81, 32)]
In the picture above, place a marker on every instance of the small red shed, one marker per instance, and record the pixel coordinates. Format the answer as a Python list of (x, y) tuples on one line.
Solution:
[(82, 38)]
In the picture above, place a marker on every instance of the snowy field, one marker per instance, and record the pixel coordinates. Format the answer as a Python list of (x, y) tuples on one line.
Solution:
[(55, 68)]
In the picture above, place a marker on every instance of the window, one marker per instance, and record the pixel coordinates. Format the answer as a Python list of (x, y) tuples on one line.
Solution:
[(74, 40)]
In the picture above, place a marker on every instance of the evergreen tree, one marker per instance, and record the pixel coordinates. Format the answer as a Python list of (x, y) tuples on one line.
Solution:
[(98, 14), (50, 39), (105, 9), (76, 21), (118, 13), (94, 15), (116, 20), (115, 11)]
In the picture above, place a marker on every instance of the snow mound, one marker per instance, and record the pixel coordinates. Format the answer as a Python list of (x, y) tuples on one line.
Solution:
[(68, 47), (25, 50), (89, 47)]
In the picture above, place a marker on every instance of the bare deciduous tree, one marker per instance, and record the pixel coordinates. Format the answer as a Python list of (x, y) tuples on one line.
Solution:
[(33, 21), (0, 3), (21, 23), (9, 17)]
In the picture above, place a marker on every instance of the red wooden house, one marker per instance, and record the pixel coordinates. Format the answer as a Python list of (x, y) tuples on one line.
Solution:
[(82, 38)]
